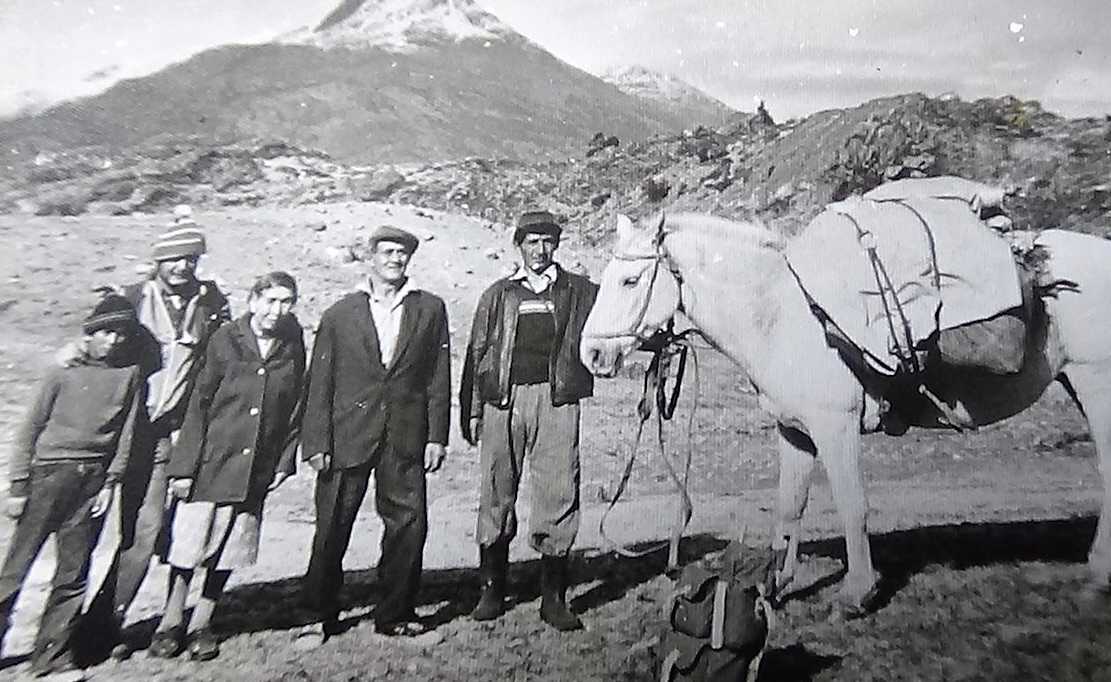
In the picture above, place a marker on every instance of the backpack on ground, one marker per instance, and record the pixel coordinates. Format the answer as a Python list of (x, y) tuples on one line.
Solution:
[(716, 622)]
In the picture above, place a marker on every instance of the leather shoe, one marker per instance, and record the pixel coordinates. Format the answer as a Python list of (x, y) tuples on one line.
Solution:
[(204, 646), (168, 643)]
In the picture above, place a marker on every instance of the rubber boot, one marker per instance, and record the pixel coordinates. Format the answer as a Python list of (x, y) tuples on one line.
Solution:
[(493, 565), (554, 581)]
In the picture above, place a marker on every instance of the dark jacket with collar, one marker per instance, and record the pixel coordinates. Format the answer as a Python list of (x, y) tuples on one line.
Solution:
[(242, 423), (354, 402), (486, 366)]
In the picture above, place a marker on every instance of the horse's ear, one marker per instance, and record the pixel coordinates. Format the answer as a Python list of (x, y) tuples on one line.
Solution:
[(625, 226)]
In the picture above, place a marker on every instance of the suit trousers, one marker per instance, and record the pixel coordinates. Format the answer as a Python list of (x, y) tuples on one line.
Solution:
[(400, 498), (60, 502), (548, 437)]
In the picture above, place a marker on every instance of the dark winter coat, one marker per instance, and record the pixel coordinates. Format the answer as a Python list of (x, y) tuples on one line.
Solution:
[(353, 401), (242, 423)]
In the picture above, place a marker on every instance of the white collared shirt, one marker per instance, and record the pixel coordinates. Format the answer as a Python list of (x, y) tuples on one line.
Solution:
[(386, 315), (538, 283), (264, 343)]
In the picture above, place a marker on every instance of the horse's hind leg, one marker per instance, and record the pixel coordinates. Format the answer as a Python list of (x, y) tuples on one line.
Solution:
[(796, 466), (1091, 387)]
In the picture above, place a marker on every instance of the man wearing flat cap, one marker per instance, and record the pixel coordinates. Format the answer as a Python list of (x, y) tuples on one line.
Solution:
[(179, 313), (521, 387), (377, 402)]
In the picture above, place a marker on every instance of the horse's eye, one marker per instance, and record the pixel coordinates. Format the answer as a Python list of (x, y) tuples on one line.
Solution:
[(631, 281)]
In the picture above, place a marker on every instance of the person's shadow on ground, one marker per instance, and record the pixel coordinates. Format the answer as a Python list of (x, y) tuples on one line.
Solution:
[(449, 594)]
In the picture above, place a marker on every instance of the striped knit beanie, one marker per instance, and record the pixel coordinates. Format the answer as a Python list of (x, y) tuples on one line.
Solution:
[(112, 312), (182, 240)]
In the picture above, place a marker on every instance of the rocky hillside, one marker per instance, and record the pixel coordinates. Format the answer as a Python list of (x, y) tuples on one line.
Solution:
[(782, 173), (404, 80), (686, 101)]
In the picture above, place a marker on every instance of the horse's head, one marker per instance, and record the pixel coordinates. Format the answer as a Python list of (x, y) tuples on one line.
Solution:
[(638, 296)]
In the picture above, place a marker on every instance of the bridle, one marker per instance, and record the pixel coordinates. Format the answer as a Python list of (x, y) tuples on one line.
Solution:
[(660, 260), (669, 354)]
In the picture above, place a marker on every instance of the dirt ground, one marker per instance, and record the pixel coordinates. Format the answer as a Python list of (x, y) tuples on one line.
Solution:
[(980, 538)]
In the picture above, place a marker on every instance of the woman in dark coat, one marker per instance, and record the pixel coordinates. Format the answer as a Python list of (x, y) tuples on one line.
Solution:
[(237, 443)]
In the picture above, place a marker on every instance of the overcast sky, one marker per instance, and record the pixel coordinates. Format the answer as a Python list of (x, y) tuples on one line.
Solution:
[(799, 56)]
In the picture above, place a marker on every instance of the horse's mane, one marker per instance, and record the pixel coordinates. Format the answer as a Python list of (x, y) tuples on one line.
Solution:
[(752, 233)]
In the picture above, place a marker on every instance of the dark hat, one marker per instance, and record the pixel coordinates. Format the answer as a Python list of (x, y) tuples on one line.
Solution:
[(112, 312), (536, 222), (389, 233), (180, 241)]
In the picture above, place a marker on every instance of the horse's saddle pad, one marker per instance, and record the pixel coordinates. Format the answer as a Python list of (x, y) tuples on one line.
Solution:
[(892, 268)]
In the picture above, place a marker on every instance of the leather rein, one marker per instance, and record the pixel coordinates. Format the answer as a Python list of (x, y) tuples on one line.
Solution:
[(669, 351)]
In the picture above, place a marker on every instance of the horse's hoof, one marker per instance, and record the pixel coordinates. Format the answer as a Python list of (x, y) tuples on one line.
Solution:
[(842, 612), (850, 607), (782, 582)]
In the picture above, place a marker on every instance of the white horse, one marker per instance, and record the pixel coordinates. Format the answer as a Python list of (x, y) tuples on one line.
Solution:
[(732, 282)]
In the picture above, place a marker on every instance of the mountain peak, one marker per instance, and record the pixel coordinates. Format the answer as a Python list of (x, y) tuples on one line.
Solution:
[(400, 25), (685, 99)]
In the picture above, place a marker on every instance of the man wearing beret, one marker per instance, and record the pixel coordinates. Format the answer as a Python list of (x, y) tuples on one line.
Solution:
[(178, 313), (377, 402), (521, 387)]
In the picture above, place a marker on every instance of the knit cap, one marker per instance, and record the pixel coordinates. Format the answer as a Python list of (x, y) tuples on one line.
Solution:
[(183, 239), (112, 312)]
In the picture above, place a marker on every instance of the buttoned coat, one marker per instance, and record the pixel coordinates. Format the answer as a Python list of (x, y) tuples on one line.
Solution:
[(354, 401), (242, 423)]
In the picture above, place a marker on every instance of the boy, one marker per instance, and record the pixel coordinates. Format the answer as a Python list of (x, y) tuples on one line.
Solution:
[(66, 459)]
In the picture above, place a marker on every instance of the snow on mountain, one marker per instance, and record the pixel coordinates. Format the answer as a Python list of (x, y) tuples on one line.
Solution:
[(402, 25), (397, 80), (693, 104)]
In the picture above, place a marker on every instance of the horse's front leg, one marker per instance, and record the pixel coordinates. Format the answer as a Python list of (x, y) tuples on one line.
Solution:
[(837, 437), (796, 466)]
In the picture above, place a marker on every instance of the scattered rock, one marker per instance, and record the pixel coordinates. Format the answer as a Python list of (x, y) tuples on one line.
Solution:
[(601, 141), (600, 199), (378, 185), (656, 188)]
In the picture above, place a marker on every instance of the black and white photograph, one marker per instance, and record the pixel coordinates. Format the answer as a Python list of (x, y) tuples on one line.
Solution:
[(555, 340)]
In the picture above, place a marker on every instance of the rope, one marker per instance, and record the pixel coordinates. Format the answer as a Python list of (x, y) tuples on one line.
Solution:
[(907, 358), (655, 401)]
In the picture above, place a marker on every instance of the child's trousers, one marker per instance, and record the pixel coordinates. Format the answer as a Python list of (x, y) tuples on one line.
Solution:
[(61, 498)]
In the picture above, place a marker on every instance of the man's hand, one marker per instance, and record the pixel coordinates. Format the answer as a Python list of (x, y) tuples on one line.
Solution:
[(103, 502), (476, 430), (434, 454), (321, 461), (15, 507), (181, 487), (279, 478)]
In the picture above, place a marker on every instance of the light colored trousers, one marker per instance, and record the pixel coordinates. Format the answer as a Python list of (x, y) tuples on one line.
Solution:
[(548, 436)]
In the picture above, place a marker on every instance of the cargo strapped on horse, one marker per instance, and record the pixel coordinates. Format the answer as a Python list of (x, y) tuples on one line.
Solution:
[(913, 259), (921, 279)]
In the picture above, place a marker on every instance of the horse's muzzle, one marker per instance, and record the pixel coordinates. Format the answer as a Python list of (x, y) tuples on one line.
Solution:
[(603, 355)]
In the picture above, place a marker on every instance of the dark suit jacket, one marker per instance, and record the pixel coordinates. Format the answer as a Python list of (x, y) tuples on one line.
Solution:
[(242, 422), (353, 402)]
